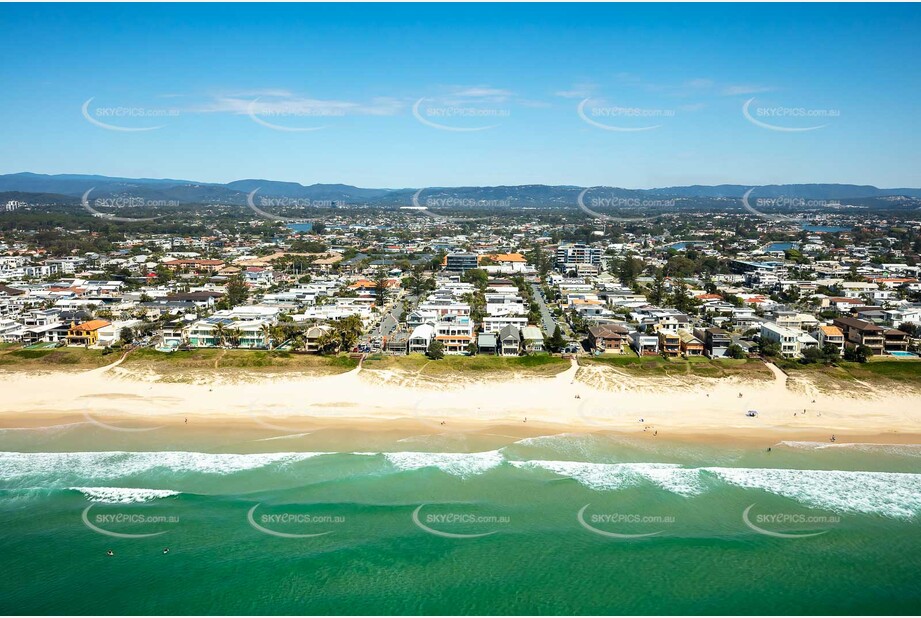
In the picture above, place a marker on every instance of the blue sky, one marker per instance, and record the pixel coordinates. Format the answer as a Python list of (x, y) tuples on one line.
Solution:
[(445, 95)]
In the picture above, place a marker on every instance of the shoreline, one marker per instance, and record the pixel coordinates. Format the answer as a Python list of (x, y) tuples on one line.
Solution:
[(710, 411)]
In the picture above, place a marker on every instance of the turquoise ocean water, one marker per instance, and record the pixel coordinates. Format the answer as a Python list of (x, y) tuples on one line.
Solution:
[(337, 522)]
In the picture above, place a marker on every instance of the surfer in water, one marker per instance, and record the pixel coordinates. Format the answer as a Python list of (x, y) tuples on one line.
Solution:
[(110, 553)]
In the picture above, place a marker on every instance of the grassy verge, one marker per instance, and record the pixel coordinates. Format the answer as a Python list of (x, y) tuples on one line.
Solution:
[(14, 358), (882, 374), (537, 364), (652, 366), (244, 360)]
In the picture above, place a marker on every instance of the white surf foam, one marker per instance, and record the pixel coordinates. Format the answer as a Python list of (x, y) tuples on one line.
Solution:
[(123, 495), (115, 464), (458, 464), (670, 477), (893, 494)]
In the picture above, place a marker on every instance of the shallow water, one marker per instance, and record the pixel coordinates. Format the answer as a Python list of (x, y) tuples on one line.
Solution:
[(315, 521)]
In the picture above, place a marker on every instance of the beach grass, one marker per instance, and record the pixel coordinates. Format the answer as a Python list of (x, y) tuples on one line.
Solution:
[(535, 364), (180, 362), (881, 374), (14, 358), (652, 366)]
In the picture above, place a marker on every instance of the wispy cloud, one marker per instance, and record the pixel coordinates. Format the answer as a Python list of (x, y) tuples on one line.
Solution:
[(578, 91), (283, 102), (744, 89)]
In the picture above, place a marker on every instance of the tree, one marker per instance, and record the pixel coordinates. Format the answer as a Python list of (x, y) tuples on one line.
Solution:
[(812, 355), (556, 343), (436, 350), (127, 335), (628, 270), (380, 288), (472, 348), (328, 342), (234, 336), (477, 277), (858, 354), (681, 300), (219, 332), (831, 353), (348, 330), (237, 292), (268, 332), (735, 351), (769, 348), (657, 289)]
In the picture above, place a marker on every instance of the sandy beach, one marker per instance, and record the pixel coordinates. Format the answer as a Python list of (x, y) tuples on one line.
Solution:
[(580, 399)]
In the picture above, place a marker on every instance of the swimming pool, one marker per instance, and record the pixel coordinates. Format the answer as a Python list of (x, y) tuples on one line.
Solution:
[(903, 354)]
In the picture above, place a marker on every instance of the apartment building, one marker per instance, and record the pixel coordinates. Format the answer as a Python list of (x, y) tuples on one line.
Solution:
[(577, 253)]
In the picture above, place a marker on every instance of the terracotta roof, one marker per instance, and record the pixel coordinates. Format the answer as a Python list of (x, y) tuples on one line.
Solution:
[(507, 257), (832, 331), (91, 325)]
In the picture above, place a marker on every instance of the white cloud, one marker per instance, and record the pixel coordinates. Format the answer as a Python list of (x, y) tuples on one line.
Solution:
[(578, 91), (283, 103), (744, 89)]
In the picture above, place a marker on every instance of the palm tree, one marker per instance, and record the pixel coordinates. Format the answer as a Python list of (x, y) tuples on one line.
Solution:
[(268, 334), (234, 335), (219, 332), (279, 334), (300, 342)]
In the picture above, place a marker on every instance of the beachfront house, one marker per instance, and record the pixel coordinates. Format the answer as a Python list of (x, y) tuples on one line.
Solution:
[(487, 343), (509, 341), (830, 335), (455, 333), (669, 343), (858, 332), (532, 339), (644, 344), (312, 337), (792, 342), (86, 333), (421, 338), (608, 338), (716, 341), (690, 345)]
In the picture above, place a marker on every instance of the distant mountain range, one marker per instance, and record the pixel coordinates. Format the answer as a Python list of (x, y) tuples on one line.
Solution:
[(70, 186)]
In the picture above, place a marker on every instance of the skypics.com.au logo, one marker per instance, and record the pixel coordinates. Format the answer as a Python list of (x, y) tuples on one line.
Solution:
[(758, 206), (464, 110), (616, 525), (781, 525), (614, 201), (293, 524), (126, 119), (454, 202), (285, 202), (785, 119), (458, 523), (122, 202), (619, 118)]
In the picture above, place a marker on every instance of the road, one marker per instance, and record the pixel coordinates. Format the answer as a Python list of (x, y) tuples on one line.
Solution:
[(546, 318)]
